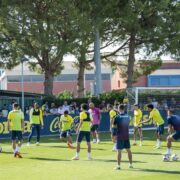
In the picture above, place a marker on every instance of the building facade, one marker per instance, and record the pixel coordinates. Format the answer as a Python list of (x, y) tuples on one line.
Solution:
[(168, 75), (67, 80)]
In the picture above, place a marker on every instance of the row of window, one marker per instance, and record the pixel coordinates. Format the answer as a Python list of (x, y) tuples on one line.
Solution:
[(161, 80), (63, 77)]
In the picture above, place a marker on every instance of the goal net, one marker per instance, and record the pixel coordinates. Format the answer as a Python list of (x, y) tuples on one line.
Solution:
[(161, 98)]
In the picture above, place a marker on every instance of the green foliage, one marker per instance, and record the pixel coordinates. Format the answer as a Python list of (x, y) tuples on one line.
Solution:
[(65, 95), (44, 31), (142, 67), (109, 97), (88, 94)]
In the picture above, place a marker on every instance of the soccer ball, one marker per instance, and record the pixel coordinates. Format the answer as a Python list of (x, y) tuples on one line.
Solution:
[(166, 158), (0, 149), (175, 157)]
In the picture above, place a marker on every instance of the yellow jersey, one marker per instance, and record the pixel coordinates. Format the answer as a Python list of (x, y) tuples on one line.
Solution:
[(112, 114), (86, 119), (156, 116), (137, 117), (36, 116), (16, 117), (66, 122)]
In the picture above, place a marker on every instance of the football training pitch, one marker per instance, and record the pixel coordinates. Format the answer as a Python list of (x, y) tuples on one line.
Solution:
[(52, 161)]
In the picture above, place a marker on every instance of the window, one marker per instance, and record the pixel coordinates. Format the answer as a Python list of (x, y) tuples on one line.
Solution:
[(175, 80), (164, 80), (105, 76), (92, 76), (37, 78), (27, 78), (89, 77), (66, 77), (14, 78)]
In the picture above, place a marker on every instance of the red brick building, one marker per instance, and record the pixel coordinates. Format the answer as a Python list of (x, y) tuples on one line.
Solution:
[(168, 75), (67, 80)]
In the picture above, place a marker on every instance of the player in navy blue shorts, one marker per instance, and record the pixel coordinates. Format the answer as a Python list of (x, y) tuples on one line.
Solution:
[(122, 122), (173, 129)]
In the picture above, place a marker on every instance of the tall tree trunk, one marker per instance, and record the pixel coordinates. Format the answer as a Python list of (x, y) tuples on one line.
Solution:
[(80, 83), (48, 83), (131, 61)]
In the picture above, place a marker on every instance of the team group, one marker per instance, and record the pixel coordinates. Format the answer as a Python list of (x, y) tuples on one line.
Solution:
[(89, 123)]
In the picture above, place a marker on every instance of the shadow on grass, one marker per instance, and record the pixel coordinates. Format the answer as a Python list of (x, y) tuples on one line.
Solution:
[(158, 171), (47, 159), (111, 160), (147, 153), (65, 147), (5, 152)]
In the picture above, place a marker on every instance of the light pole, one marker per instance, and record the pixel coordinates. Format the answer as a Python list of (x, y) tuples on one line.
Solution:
[(22, 82), (98, 80)]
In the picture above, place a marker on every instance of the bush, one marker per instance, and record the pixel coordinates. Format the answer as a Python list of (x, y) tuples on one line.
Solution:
[(108, 97), (65, 95)]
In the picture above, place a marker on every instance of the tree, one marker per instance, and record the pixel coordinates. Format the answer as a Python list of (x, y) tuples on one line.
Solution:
[(172, 33), (141, 68), (93, 15), (41, 30), (141, 23)]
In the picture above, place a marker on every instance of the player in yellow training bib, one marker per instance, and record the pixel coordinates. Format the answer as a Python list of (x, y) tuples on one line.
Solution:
[(83, 130), (16, 126), (65, 128), (158, 120), (137, 127), (36, 121)]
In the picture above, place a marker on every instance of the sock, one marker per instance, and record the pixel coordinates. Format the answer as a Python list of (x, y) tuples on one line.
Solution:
[(89, 155), (94, 140), (18, 148), (158, 142), (77, 154), (169, 150)]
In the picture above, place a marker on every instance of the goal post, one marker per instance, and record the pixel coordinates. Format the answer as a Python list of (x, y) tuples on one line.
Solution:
[(169, 97), (163, 98)]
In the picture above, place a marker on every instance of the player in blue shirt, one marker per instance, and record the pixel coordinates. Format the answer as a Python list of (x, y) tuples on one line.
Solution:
[(173, 129), (122, 122)]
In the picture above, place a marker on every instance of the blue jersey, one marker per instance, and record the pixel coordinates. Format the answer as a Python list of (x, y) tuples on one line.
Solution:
[(122, 122), (174, 120)]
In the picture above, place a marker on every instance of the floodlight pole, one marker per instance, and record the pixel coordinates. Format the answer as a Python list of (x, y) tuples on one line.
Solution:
[(22, 82), (97, 59)]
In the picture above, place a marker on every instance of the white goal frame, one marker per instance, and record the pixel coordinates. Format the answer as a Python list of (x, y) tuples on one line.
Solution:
[(137, 89)]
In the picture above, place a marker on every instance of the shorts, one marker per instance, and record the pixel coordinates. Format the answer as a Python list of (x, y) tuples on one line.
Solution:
[(137, 127), (114, 131), (83, 134), (123, 144), (94, 128), (16, 135), (176, 135), (160, 129), (65, 134)]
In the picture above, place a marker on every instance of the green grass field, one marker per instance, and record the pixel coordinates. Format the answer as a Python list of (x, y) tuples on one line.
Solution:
[(52, 160)]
